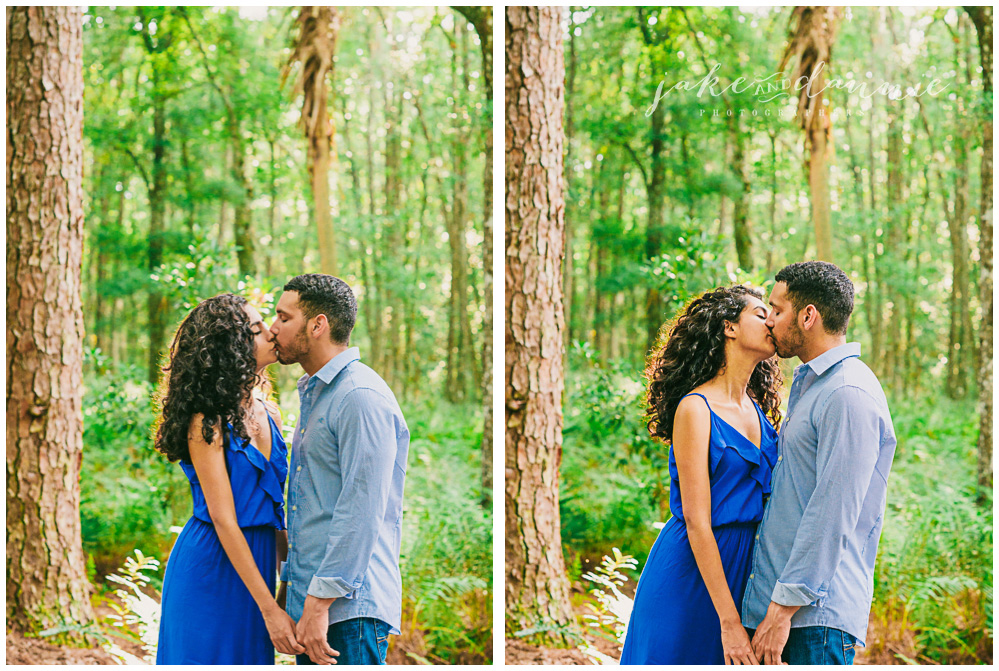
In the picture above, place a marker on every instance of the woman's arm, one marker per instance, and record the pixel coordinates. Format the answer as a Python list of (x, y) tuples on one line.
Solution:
[(209, 464), (282, 535), (691, 437)]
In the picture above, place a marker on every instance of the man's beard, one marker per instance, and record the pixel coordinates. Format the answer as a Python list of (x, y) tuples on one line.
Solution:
[(791, 344), (294, 352)]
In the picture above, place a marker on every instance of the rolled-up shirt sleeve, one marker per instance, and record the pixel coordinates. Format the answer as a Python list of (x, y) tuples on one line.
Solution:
[(366, 434), (847, 452)]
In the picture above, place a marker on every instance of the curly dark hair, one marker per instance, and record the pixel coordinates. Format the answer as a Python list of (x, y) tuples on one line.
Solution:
[(212, 371), (691, 350)]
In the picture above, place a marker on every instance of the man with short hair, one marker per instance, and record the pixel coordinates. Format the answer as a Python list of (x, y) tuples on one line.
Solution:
[(812, 580), (348, 468)]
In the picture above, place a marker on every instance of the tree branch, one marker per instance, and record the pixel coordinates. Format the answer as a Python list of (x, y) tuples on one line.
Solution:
[(638, 161)]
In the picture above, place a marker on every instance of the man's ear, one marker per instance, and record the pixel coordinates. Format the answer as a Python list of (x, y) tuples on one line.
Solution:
[(810, 317), (321, 327)]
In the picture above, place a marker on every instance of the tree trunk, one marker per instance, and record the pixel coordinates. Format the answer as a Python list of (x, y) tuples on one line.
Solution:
[(319, 28), (811, 44), (570, 223), (654, 234), (537, 588), (156, 304), (982, 18), (740, 216), (46, 575), (482, 19)]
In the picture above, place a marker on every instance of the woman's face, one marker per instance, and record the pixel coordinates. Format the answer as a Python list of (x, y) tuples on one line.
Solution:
[(751, 332), (263, 341)]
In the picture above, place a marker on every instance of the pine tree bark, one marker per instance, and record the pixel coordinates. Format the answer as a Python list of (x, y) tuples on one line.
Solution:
[(537, 588), (46, 576), (982, 18)]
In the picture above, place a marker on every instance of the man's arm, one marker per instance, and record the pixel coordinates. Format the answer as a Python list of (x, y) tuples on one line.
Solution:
[(846, 456), (366, 434)]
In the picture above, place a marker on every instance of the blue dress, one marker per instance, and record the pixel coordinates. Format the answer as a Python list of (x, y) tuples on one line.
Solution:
[(674, 621), (208, 615)]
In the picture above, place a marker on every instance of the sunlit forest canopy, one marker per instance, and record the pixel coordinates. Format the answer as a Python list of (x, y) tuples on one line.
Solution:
[(719, 191), (197, 182)]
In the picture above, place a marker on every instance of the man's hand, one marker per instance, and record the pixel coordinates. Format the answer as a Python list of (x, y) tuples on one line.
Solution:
[(311, 630), (771, 636)]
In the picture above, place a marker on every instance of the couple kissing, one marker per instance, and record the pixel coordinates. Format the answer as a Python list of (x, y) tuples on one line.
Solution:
[(338, 552)]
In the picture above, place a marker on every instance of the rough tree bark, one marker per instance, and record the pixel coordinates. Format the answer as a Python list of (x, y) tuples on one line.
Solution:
[(314, 49), (46, 575), (982, 18), (537, 589), (811, 45)]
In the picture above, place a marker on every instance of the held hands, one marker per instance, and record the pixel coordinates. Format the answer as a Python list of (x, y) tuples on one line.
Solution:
[(311, 631), (772, 634), (735, 643), (281, 628)]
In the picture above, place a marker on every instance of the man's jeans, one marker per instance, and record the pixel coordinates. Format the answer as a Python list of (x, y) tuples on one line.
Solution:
[(819, 645), (362, 640)]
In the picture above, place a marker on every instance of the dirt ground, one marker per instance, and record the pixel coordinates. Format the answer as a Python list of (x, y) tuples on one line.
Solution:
[(21, 650)]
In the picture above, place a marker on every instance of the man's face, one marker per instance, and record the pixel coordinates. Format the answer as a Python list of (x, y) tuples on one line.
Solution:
[(290, 339), (783, 324)]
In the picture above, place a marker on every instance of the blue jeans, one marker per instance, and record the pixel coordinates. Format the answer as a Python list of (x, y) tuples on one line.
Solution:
[(819, 645), (361, 640)]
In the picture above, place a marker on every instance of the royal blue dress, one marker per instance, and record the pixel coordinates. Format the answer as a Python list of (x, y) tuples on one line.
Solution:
[(208, 615), (674, 621)]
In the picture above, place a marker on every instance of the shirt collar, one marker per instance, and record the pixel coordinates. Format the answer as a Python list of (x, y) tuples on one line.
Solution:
[(820, 364), (333, 367)]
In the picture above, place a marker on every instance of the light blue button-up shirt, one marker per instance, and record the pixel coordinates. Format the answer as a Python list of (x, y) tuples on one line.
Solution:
[(819, 536), (348, 468)]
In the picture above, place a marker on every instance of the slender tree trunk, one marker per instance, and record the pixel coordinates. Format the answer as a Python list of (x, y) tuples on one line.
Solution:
[(46, 575), (740, 216), (655, 233), (156, 305), (570, 220), (982, 18), (482, 19), (894, 249), (537, 588)]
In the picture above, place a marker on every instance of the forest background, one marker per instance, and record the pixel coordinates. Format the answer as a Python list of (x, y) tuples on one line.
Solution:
[(663, 202), (204, 175)]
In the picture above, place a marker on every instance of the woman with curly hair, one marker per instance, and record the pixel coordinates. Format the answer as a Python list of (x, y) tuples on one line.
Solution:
[(714, 397), (218, 602)]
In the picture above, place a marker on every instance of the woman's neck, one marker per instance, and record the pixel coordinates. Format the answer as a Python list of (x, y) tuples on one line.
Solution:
[(733, 379)]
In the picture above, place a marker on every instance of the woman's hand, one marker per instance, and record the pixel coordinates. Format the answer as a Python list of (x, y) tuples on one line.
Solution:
[(281, 628), (736, 644)]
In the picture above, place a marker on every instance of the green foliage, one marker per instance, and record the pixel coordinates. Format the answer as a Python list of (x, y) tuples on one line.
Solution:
[(615, 478), (934, 570), (447, 538), (130, 494), (136, 614), (611, 610)]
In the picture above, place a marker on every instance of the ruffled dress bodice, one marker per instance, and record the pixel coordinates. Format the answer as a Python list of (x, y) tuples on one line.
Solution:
[(739, 472), (257, 482)]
